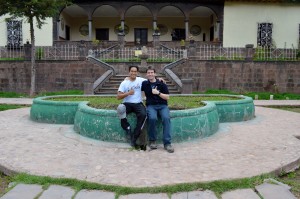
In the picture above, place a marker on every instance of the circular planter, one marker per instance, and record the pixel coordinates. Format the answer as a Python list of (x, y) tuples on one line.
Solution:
[(103, 124), (186, 124), (56, 112), (235, 110)]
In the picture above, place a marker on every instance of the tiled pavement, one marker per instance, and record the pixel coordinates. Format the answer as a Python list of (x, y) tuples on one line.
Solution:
[(265, 144)]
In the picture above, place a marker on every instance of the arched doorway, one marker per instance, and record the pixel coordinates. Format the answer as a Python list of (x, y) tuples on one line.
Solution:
[(73, 24), (202, 24), (105, 18), (171, 19), (139, 20)]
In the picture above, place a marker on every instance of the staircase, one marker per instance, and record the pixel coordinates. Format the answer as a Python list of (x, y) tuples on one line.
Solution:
[(110, 87)]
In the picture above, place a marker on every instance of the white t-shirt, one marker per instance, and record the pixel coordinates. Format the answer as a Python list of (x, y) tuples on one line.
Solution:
[(136, 85)]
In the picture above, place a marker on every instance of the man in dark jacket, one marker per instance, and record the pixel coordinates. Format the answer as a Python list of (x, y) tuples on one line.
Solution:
[(157, 95)]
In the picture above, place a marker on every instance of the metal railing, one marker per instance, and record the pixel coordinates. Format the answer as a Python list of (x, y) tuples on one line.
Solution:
[(132, 55), (276, 54), (11, 53), (163, 54), (63, 52), (209, 52)]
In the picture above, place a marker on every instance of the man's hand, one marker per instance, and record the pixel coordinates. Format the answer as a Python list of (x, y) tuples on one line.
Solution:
[(161, 80), (131, 92), (155, 91)]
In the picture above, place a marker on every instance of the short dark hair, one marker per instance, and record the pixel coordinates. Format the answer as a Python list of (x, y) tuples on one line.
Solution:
[(150, 68), (137, 68)]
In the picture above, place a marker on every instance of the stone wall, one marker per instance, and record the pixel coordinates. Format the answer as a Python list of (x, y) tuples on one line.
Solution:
[(241, 75), (50, 75), (231, 75)]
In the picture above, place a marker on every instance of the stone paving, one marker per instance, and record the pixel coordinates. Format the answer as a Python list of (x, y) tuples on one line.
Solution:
[(268, 143)]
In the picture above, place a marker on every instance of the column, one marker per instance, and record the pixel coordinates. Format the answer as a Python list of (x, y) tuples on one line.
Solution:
[(90, 30), (57, 30), (217, 31), (186, 29), (154, 24), (123, 24)]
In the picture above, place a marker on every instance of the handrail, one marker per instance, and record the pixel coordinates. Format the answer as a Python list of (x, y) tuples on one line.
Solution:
[(173, 64), (110, 72), (100, 81), (107, 50), (101, 63), (171, 75), (174, 78), (170, 49)]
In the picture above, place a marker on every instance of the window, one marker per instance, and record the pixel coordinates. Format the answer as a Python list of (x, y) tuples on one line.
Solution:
[(102, 34), (299, 38), (264, 34), (178, 34), (14, 34)]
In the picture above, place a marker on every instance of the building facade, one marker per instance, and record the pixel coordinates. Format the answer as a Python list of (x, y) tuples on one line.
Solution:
[(229, 23)]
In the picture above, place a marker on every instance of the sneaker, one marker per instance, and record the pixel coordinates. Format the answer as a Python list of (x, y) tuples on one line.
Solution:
[(133, 143), (152, 145), (169, 148), (143, 147)]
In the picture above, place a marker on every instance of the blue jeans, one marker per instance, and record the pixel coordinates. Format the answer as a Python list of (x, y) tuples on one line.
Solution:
[(164, 112)]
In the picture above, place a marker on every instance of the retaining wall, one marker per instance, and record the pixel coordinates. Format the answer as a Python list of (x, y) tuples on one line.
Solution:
[(230, 75)]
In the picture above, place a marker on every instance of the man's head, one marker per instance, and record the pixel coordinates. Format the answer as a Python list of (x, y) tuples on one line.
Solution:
[(151, 74), (133, 71)]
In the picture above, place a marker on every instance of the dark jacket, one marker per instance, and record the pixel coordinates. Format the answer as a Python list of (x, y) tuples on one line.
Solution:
[(152, 99)]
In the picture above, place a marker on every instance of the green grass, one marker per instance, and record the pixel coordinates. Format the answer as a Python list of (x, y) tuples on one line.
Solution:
[(12, 95), (218, 187), (175, 102), (4, 107), (19, 95), (261, 95), (66, 92), (136, 59), (293, 180), (11, 59)]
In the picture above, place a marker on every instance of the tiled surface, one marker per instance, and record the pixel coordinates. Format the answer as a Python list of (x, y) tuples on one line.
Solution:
[(264, 144), (261, 145)]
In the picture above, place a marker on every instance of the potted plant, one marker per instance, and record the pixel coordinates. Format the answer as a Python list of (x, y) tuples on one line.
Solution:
[(95, 43), (121, 30), (182, 44), (298, 54), (192, 40)]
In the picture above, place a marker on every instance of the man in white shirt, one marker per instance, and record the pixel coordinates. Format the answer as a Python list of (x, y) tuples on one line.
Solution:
[(130, 91)]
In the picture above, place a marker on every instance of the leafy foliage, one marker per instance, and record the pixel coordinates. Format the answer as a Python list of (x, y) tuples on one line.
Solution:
[(31, 10)]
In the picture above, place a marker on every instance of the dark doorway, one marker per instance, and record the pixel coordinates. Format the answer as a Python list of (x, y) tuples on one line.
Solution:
[(141, 36), (178, 34), (211, 33), (67, 32), (102, 34)]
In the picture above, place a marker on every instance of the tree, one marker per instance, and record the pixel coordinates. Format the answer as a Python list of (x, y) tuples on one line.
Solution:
[(31, 10)]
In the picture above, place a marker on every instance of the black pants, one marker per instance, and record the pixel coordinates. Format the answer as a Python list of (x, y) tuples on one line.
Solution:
[(140, 112)]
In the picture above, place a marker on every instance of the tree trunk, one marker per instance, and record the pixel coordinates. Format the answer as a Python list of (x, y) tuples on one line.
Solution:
[(33, 68)]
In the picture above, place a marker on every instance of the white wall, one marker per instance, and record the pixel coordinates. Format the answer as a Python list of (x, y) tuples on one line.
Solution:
[(43, 36), (240, 23)]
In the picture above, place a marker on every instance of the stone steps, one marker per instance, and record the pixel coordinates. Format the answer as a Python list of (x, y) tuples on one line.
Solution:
[(110, 87)]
